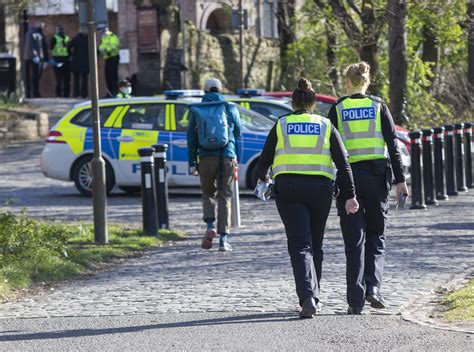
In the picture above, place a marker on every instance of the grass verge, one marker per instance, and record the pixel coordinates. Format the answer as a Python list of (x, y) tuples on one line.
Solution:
[(460, 304), (33, 251)]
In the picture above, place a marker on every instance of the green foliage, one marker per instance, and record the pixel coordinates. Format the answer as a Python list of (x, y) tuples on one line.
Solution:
[(435, 95), (8, 100), (34, 251)]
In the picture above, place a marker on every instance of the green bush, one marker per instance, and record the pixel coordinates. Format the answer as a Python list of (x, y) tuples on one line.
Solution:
[(34, 251)]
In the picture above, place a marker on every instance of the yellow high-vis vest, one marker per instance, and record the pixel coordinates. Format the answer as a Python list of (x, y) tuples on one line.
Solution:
[(303, 146), (359, 124), (60, 46), (110, 45)]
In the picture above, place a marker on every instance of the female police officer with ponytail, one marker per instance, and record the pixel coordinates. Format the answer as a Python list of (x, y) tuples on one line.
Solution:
[(301, 148), (366, 127)]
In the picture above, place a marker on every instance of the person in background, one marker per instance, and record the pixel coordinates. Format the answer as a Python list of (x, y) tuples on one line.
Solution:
[(215, 167), (125, 89), (368, 132), (301, 148), (36, 58), (61, 55), (109, 49), (79, 50)]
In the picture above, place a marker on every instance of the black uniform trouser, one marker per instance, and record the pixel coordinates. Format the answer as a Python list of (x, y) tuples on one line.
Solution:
[(63, 78), (304, 204), (111, 74), (32, 77), (80, 84), (363, 232)]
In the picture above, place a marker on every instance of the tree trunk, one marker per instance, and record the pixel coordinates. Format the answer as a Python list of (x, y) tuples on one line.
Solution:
[(3, 25), (331, 56), (470, 55), (430, 50), (285, 17), (397, 17), (368, 53)]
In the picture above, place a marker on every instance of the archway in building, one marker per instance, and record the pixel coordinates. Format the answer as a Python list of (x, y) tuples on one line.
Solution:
[(219, 22)]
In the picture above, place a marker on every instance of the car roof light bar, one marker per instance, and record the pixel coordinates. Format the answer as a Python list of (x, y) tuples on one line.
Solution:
[(249, 92), (182, 93)]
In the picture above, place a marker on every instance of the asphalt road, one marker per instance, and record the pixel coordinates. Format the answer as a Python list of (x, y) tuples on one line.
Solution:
[(227, 332)]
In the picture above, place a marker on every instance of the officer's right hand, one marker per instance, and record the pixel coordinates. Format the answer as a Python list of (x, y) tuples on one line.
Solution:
[(352, 206), (193, 170)]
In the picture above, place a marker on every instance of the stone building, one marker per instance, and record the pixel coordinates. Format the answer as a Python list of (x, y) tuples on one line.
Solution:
[(151, 39)]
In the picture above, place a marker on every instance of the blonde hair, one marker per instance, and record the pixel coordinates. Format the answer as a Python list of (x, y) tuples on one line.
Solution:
[(358, 74)]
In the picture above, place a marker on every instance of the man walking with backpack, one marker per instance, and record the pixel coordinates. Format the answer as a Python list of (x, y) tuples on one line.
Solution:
[(214, 127)]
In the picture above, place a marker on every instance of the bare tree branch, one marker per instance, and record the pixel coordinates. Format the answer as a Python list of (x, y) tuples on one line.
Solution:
[(348, 23), (354, 7)]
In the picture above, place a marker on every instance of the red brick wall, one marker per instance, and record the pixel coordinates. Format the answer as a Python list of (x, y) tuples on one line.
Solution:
[(71, 27)]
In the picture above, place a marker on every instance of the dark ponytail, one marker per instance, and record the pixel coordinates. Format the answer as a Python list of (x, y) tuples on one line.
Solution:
[(304, 96)]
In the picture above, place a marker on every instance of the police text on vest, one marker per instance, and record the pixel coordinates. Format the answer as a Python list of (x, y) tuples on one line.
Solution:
[(303, 128), (355, 114)]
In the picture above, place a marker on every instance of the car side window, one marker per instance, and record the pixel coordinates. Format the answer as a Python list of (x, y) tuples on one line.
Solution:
[(269, 110), (84, 117), (145, 117), (322, 108), (181, 112)]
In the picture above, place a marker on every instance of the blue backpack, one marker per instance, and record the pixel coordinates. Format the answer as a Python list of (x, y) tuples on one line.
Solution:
[(211, 123)]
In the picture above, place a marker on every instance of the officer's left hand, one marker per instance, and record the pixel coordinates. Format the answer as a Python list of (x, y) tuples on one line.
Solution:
[(402, 189), (352, 206)]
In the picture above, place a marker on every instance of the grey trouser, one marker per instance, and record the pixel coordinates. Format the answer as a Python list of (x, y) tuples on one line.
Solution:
[(217, 182)]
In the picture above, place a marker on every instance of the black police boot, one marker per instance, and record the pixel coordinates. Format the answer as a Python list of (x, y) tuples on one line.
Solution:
[(375, 298), (309, 308), (354, 311)]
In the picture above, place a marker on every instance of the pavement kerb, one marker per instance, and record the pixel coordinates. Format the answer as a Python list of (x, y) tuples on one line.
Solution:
[(418, 310)]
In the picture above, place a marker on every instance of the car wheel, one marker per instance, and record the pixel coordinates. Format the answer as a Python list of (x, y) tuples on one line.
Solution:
[(82, 176)]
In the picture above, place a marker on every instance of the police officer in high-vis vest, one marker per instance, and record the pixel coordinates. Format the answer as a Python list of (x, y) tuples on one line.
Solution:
[(61, 54), (109, 49), (368, 132), (301, 148)]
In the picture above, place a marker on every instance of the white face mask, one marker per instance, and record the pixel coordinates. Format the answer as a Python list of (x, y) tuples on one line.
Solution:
[(126, 90)]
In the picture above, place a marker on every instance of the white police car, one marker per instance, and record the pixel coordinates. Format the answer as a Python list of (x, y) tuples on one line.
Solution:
[(130, 124)]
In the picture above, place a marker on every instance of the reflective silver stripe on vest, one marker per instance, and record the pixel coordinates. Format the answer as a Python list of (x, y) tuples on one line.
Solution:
[(371, 133), (366, 151), (288, 149), (302, 167)]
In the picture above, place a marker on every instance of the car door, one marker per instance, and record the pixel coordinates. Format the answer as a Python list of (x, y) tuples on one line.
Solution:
[(178, 165), (140, 126)]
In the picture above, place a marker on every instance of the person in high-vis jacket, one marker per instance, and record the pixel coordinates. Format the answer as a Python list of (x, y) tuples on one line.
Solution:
[(368, 132), (61, 56), (301, 148), (109, 49)]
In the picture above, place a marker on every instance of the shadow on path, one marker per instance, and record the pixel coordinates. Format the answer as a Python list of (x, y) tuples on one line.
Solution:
[(245, 319)]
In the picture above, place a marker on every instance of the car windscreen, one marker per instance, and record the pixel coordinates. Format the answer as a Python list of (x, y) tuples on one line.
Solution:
[(254, 121)]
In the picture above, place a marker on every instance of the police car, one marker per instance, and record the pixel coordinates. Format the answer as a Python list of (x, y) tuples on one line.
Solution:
[(130, 124)]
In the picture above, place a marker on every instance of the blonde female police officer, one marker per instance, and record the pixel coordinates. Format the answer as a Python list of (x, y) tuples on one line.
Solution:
[(301, 148), (367, 129)]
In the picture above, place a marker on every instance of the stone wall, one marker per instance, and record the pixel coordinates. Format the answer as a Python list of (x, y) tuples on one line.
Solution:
[(22, 125), (218, 56)]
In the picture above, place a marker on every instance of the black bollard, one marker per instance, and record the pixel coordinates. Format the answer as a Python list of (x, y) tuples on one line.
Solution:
[(150, 223), (449, 155), (438, 139), (417, 201), (428, 181), (468, 154), (459, 157), (161, 185)]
